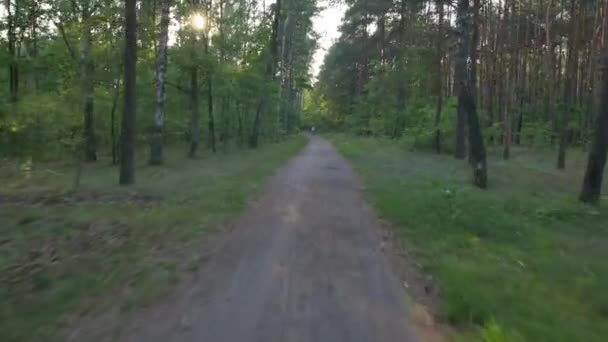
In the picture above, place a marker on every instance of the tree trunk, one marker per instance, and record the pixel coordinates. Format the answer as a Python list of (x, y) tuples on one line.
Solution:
[(13, 66), (509, 61), (592, 183), (466, 101), (462, 74), (127, 141), (569, 88), (156, 135), (439, 75), (87, 85), (269, 76), (460, 148), (195, 130), (113, 142), (401, 91), (211, 123)]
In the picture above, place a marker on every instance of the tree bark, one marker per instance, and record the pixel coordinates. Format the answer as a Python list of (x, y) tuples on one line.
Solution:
[(592, 183), (211, 123), (127, 141), (195, 130), (466, 101), (13, 66), (569, 88), (439, 81), (462, 74), (156, 136), (113, 142), (270, 67), (509, 84)]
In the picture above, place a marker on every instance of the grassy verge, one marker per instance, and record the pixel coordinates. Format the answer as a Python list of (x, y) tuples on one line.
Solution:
[(59, 251), (524, 261)]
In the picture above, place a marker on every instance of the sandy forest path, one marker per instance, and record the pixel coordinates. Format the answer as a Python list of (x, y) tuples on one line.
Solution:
[(303, 263)]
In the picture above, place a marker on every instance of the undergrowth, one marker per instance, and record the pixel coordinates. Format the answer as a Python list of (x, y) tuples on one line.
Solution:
[(522, 261), (64, 253)]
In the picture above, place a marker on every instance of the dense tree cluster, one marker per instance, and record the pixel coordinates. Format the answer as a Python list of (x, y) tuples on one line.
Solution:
[(218, 71), (526, 72)]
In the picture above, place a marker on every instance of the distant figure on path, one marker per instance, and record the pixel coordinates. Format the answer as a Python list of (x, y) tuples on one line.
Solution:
[(312, 130)]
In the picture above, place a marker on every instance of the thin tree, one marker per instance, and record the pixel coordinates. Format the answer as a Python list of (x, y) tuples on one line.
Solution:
[(569, 87), (156, 136), (127, 140), (211, 122)]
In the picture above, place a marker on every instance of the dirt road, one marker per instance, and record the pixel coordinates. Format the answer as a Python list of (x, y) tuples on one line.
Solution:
[(304, 263)]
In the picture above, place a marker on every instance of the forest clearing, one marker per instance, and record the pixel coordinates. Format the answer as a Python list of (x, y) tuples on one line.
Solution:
[(303, 170)]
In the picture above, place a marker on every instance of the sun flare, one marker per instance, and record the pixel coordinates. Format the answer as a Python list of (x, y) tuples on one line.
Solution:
[(198, 21)]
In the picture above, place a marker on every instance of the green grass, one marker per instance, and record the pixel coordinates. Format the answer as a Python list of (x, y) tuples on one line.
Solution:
[(523, 259), (60, 257)]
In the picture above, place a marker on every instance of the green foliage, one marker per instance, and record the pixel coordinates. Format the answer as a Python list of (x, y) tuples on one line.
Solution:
[(48, 115), (524, 260), (492, 332)]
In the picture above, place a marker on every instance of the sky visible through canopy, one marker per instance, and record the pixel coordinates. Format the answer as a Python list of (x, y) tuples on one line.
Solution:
[(326, 24)]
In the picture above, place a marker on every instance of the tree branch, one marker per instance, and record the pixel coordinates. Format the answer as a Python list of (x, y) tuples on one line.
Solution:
[(65, 40), (178, 87)]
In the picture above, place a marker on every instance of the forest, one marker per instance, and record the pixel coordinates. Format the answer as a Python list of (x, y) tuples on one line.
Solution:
[(143, 140), (531, 70), (218, 73)]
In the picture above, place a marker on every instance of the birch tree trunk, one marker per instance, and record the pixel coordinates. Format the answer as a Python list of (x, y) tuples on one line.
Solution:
[(156, 136)]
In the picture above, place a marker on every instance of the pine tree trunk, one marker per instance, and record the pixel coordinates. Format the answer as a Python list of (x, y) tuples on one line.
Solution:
[(127, 141), (269, 76), (156, 134), (466, 101), (592, 183)]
